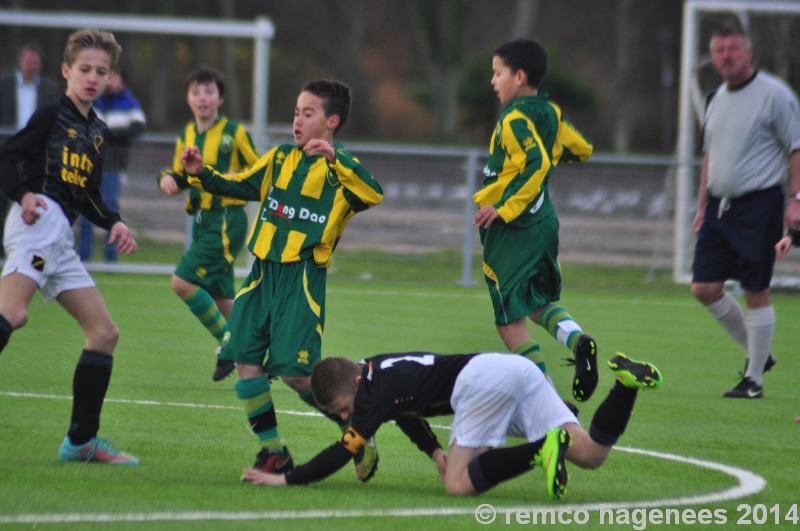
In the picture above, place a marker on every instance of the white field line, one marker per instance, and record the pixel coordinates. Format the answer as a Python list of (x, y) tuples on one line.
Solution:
[(748, 484)]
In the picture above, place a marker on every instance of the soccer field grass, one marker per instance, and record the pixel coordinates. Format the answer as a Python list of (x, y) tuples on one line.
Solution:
[(193, 438)]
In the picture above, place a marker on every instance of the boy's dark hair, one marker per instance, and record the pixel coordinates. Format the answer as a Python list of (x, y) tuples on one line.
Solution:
[(526, 55), (335, 97), (331, 378), (204, 75)]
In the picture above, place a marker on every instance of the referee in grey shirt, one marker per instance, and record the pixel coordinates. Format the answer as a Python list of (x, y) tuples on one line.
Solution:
[(751, 139)]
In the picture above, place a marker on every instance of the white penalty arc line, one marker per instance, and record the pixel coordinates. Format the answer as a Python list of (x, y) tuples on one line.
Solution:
[(748, 484)]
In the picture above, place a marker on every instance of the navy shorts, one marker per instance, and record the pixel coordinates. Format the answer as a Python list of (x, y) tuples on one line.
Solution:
[(740, 244)]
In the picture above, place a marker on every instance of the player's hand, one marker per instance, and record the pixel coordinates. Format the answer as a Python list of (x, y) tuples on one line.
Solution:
[(320, 147), (440, 460), (29, 203), (485, 216), (257, 477), (792, 218), (192, 160), (783, 246), (168, 185), (698, 219), (121, 232)]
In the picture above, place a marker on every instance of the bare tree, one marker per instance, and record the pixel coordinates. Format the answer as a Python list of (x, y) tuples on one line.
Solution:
[(438, 28)]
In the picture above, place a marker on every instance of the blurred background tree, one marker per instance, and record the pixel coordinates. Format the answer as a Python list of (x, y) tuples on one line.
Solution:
[(420, 70)]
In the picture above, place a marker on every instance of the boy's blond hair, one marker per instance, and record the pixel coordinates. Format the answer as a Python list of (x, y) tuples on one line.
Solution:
[(332, 378), (91, 38)]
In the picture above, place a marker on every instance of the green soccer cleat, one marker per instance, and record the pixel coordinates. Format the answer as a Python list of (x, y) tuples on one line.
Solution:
[(635, 374), (552, 457)]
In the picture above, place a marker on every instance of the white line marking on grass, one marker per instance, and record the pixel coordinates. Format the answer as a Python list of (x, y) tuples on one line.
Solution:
[(749, 483)]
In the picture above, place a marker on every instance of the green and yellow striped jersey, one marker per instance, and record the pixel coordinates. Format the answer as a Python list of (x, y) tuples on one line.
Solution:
[(225, 146), (306, 201), (530, 139)]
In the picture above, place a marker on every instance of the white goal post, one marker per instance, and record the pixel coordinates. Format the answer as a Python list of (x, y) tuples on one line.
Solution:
[(690, 111)]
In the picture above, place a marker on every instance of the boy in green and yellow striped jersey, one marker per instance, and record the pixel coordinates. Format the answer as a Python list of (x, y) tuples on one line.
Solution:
[(308, 192), (204, 277), (517, 222)]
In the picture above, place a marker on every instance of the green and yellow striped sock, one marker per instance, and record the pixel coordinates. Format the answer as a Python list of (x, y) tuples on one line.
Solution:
[(530, 349), (560, 325), (202, 305), (257, 400)]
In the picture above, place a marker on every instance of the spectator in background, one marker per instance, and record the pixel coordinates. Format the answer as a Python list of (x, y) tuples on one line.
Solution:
[(751, 137), (125, 120), (21, 93)]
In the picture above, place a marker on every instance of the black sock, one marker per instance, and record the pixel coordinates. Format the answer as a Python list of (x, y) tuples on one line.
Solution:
[(5, 332), (89, 386), (501, 464), (611, 418)]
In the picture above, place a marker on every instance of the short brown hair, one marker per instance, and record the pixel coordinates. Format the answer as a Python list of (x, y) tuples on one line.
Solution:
[(91, 38), (332, 378), (204, 75), (730, 29), (335, 97)]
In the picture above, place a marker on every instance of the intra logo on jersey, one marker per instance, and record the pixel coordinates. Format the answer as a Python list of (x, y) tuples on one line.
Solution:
[(288, 212), (79, 162)]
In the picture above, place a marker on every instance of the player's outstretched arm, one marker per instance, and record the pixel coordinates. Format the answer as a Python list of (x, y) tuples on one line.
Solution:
[(257, 477), (127, 243)]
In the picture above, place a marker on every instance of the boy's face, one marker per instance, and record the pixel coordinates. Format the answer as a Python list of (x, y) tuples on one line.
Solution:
[(343, 406), (310, 121), (505, 82), (204, 100), (88, 76)]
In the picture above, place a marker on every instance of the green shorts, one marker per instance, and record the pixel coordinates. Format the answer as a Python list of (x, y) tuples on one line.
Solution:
[(521, 267), (217, 238), (281, 309)]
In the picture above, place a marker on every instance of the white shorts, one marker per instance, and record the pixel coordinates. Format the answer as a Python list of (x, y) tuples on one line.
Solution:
[(496, 395), (44, 251)]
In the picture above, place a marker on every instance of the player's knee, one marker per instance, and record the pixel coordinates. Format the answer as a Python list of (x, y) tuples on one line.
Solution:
[(706, 293), (461, 486), (16, 317), (181, 288), (105, 337)]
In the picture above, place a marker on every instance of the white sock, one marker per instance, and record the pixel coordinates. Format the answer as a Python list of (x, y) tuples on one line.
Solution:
[(760, 328), (730, 316)]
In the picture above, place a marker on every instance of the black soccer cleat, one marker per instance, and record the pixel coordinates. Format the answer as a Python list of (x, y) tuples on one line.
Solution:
[(223, 369), (274, 462), (746, 388), (585, 363)]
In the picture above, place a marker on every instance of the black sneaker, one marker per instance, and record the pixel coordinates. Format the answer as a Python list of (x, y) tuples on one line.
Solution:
[(223, 368), (274, 462), (747, 388), (585, 363), (768, 365)]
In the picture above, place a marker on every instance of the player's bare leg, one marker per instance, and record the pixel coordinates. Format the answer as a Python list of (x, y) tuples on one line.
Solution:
[(16, 292), (456, 478)]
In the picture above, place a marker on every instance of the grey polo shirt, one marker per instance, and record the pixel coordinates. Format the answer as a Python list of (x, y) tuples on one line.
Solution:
[(749, 134)]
